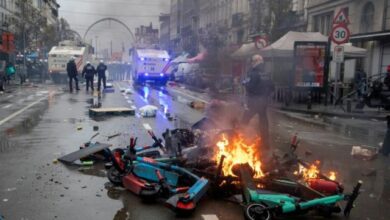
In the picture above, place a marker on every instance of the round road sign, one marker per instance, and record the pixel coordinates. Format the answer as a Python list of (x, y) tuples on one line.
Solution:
[(340, 34), (261, 42)]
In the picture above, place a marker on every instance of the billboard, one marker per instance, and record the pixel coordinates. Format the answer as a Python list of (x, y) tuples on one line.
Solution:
[(309, 64)]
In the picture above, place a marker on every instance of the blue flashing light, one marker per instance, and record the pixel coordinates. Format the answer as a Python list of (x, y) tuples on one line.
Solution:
[(142, 58), (161, 74), (146, 74)]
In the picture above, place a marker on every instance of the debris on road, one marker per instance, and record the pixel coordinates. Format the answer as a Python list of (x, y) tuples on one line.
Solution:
[(128, 91), (84, 152), (113, 136), (148, 111), (95, 128), (79, 128), (198, 105), (364, 153), (55, 161), (111, 111)]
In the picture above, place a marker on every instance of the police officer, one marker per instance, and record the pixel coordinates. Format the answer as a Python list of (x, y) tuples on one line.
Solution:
[(89, 72), (71, 68), (101, 71)]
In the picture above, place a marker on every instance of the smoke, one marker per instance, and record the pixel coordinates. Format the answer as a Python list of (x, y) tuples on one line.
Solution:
[(82, 13)]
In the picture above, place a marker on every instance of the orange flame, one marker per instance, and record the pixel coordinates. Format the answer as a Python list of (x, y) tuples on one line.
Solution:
[(313, 172), (238, 152), (332, 175)]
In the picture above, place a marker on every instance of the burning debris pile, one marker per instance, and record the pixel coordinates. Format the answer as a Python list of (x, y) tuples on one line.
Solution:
[(236, 151)]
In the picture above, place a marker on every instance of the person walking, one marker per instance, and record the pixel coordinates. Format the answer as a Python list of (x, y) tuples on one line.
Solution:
[(71, 68), (89, 73), (101, 72), (258, 87)]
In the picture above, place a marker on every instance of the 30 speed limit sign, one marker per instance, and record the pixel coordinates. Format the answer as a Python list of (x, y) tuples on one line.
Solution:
[(340, 34)]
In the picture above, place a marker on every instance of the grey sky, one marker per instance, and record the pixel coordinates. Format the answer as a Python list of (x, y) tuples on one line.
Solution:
[(82, 13)]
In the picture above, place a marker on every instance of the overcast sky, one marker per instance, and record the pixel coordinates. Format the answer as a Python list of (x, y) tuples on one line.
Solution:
[(82, 13)]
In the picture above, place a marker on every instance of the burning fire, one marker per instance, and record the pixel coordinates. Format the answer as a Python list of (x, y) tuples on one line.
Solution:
[(238, 152), (313, 172)]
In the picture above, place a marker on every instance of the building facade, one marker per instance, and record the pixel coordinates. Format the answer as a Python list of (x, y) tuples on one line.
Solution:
[(146, 36), (165, 21), (369, 26)]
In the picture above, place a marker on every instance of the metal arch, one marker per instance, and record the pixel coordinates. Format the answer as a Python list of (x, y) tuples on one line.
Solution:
[(75, 32), (108, 19)]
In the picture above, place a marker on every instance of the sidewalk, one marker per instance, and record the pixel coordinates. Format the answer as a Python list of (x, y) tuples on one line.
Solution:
[(330, 110)]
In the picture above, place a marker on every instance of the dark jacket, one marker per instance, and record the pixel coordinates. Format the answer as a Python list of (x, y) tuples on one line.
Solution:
[(89, 71), (71, 68), (259, 83), (101, 70)]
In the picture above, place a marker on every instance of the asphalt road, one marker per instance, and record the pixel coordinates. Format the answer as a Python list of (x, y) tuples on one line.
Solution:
[(39, 124)]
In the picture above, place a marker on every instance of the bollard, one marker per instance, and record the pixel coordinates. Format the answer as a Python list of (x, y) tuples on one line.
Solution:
[(349, 105), (309, 101), (386, 143)]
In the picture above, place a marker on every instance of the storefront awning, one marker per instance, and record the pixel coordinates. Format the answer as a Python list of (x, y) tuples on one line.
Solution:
[(383, 35)]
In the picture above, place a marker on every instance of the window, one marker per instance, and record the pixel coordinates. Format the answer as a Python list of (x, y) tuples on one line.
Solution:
[(367, 18), (323, 23)]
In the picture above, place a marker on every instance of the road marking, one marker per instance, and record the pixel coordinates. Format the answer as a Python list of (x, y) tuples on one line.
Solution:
[(7, 106), (21, 111), (147, 127), (210, 217), (10, 96), (191, 96)]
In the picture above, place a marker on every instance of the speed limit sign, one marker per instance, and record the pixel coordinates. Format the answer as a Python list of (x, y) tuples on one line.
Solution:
[(340, 34)]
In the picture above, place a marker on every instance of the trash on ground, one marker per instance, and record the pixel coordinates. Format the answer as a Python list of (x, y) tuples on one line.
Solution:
[(197, 105), (128, 91), (148, 111), (84, 152), (95, 135), (55, 161), (113, 136), (111, 111), (79, 128), (364, 152)]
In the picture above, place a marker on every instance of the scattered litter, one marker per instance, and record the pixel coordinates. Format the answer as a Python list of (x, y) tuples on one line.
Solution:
[(98, 195), (84, 187), (197, 105), (371, 195), (370, 172), (148, 111), (62, 195), (5, 200), (122, 89), (11, 189), (316, 116), (95, 135), (364, 153), (113, 136), (308, 153), (111, 111), (128, 91), (66, 187), (147, 127), (79, 128), (55, 161)]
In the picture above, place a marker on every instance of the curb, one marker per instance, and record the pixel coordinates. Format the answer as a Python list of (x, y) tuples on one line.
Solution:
[(341, 115)]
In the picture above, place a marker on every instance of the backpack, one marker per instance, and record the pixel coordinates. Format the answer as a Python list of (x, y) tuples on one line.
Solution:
[(10, 71)]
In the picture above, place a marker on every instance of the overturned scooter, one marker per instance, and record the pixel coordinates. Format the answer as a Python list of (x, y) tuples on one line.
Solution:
[(151, 179)]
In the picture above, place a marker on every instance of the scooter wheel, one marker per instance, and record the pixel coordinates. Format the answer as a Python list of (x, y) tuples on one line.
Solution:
[(115, 176), (257, 211)]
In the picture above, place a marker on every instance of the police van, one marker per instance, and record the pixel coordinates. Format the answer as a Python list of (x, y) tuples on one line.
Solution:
[(151, 65), (60, 55)]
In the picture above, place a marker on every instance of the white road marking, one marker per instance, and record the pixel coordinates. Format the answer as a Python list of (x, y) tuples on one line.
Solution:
[(7, 106), (147, 127), (191, 96), (210, 217), (21, 111)]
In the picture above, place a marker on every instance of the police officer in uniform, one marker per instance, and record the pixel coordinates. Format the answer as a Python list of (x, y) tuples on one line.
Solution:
[(101, 71), (89, 72)]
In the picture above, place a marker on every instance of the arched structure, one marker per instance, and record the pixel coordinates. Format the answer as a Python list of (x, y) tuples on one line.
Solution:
[(109, 19), (75, 33)]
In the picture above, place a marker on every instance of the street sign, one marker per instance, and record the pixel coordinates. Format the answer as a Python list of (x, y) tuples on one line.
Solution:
[(341, 18), (338, 54), (261, 42), (340, 34)]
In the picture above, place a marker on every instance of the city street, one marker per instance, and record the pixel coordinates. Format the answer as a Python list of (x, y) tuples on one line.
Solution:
[(39, 124)]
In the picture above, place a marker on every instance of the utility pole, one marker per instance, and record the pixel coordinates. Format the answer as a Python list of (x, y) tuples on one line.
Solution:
[(96, 48)]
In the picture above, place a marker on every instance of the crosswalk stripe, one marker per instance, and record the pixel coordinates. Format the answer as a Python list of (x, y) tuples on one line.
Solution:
[(210, 217)]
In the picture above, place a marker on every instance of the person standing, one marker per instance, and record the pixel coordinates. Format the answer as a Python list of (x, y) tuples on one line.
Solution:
[(101, 72), (258, 86), (71, 68), (89, 73), (2, 76)]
